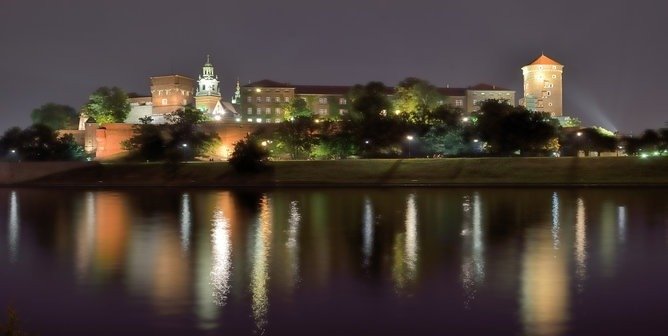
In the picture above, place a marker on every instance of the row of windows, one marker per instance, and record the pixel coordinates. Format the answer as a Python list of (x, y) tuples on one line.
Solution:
[(268, 99), (267, 110), (277, 99), (166, 102)]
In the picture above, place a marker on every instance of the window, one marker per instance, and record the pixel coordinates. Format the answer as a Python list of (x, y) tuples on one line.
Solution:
[(267, 110), (554, 76), (250, 119), (259, 99), (278, 120), (268, 99), (164, 102), (342, 101), (258, 120), (322, 111), (343, 111), (287, 99), (259, 110), (185, 102), (322, 100), (249, 99), (278, 110), (549, 104), (459, 103), (540, 67), (277, 99), (250, 110)]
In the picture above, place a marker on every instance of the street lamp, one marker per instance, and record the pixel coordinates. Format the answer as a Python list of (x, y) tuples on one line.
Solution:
[(410, 139)]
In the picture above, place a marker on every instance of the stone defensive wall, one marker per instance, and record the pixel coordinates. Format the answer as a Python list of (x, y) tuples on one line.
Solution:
[(105, 141)]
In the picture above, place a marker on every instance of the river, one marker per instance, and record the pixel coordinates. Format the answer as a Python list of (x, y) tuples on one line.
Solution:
[(426, 261)]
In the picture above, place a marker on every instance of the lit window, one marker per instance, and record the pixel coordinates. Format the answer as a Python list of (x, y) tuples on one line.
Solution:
[(164, 102), (322, 100), (267, 110), (287, 99), (322, 111), (249, 99), (258, 120), (250, 119), (278, 110), (277, 99), (259, 99), (268, 99), (185, 102), (259, 110), (459, 102), (278, 120), (342, 101), (250, 110), (343, 111)]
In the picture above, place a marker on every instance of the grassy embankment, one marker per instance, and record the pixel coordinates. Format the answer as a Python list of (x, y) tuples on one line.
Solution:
[(417, 172)]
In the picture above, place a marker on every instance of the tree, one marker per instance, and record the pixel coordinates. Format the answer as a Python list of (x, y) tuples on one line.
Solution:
[(442, 141), (181, 139), (39, 143), (147, 142), (507, 129), (55, 116), (416, 98), (13, 326), (298, 107), (370, 125), (107, 105), (248, 156), (296, 137)]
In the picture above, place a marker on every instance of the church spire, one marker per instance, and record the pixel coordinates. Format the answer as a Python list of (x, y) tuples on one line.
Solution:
[(236, 99), (207, 85)]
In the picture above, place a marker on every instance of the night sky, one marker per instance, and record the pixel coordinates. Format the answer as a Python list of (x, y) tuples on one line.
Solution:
[(614, 51)]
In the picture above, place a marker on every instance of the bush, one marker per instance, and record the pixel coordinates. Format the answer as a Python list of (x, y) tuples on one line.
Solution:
[(249, 156)]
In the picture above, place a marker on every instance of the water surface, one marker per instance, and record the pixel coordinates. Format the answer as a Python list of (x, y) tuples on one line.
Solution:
[(336, 262)]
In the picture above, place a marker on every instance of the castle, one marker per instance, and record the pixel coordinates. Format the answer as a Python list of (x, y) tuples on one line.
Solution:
[(263, 101)]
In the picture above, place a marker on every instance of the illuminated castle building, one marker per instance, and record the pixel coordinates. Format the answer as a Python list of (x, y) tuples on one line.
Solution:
[(543, 90)]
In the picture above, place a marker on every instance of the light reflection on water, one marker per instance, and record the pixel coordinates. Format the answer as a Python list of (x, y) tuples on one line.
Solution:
[(473, 261), (14, 235), (264, 263)]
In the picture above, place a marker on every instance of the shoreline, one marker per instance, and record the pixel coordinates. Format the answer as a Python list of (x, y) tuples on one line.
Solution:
[(622, 172)]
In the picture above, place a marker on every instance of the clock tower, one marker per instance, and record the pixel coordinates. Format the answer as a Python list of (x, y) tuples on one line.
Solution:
[(207, 97)]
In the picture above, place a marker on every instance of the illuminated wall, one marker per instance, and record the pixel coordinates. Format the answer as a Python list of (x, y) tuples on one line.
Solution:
[(543, 84)]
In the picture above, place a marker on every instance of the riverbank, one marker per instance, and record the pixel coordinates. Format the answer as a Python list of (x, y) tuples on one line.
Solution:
[(624, 171)]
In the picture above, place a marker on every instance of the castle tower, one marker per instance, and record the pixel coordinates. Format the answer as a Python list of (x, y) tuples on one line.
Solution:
[(208, 91), (543, 90), (236, 99)]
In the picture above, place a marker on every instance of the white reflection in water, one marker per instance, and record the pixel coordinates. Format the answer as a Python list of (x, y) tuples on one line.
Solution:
[(292, 243), (555, 221), (186, 221), (260, 268), (86, 235), (222, 263), (580, 243), (621, 224), (14, 229), (473, 263), (411, 236), (406, 248), (367, 232)]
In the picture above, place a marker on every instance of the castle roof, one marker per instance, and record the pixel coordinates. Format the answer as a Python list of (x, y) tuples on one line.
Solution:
[(487, 87), (269, 84), (544, 60)]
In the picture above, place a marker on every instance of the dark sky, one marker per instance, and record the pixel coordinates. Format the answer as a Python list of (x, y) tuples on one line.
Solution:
[(615, 51)]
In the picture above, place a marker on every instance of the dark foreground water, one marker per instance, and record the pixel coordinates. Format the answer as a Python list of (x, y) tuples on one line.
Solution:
[(336, 262)]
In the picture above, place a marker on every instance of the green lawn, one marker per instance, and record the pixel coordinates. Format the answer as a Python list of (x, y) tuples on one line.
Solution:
[(460, 171)]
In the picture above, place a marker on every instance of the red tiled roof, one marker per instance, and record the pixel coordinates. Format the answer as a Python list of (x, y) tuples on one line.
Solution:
[(544, 60), (269, 84), (322, 89), (487, 87), (452, 92)]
